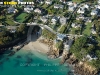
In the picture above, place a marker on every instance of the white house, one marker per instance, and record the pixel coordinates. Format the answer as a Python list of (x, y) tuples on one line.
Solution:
[(87, 19), (93, 31), (56, 6), (90, 57), (80, 17), (71, 8), (70, 3), (28, 8), (63, 1), (44, 19), (63, 20), (61, 6), (11, 10), (54, 20), (99, 1), (37, 10), (86, 6), (60, 36), (97, 6), (48, 2), (81, 10), (12, 29), (40, 1), (94, 12), (73, 25), (76, 25), (68, 44)]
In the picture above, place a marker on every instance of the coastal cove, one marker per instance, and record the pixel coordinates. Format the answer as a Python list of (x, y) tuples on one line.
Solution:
[(29, 62), (50, 37)]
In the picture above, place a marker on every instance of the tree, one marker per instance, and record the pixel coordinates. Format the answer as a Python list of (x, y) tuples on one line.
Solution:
[(59, 45), (98, 53), (77, 47), (21, 30), (90, 48)]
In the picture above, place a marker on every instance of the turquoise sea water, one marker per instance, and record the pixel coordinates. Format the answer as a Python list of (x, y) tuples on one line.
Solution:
[(28, 62)]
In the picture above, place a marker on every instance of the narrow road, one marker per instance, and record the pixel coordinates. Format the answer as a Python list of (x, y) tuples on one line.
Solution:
[(69, 23), (42, 25)]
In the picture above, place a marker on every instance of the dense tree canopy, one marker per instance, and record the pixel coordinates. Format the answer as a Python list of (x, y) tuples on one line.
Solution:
[(6, 36), (77, 47)]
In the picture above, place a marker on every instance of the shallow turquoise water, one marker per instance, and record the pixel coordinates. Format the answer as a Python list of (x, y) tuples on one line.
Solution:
[(28, 62)]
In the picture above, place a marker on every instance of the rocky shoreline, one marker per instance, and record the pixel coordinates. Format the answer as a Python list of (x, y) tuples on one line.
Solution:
[(80, 68)]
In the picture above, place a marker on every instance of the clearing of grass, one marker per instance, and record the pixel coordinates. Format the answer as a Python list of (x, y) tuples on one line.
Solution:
[(9, 22), (78, 1), (20, 18), (62, 29), (87, 30)]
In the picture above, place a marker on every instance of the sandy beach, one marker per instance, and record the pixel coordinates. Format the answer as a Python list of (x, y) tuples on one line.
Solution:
[(34, 44)]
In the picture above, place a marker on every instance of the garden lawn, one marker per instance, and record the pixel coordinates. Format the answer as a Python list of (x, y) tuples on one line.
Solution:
[(78, 1), (10, 22), (62, 29), (21, 17), (87, 30)]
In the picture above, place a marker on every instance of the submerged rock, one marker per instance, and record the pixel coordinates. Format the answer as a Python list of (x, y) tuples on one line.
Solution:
[(51, 56), (7, 58), (12, 53), (1, 63), (29, 60), (18, 56)]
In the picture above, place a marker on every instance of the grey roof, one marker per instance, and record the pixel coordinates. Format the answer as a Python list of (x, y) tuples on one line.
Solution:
[(11, 9), (56, 18), (63, 20)]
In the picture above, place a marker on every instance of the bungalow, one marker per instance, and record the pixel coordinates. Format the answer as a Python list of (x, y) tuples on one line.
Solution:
[(56, 6), (99, 1), (28, 8), (12, 29), (70, 3), (63, 20), (98, 14), (67, 44), (60, 36), (61, 6), (76, 25), (54, 20), (94, 12), (44, 19), (11, 10), (80, 17), (71, 8), (87, 19), (37, 10), (40, 1), (48, 2), (86, 6), (90, 57), (93, 30), (63, 1), (97, 6), (1, 26), (81, 10)]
